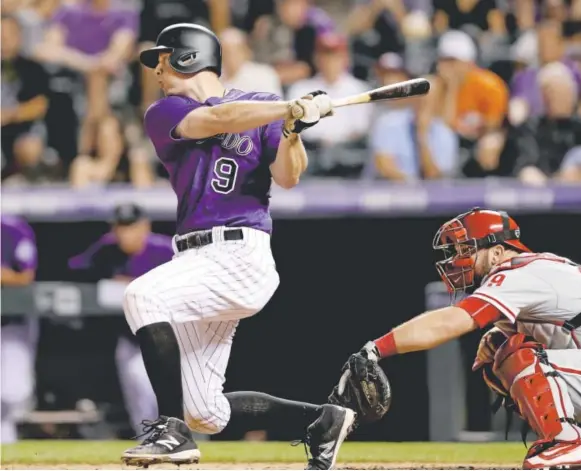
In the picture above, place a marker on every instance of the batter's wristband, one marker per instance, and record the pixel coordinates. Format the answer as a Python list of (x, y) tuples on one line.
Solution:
[(386, 345)]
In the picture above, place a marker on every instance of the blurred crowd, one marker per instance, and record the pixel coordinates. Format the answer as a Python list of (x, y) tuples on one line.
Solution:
[(505, 74)]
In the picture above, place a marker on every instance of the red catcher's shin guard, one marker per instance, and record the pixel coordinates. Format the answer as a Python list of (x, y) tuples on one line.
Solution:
[(521, 365)]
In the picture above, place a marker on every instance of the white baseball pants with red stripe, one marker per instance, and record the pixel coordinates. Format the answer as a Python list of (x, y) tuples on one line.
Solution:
[(204, 292), (568, 364)]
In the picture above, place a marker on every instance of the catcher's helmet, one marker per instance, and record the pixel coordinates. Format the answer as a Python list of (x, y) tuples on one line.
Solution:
[(461, 237), (193, 48)]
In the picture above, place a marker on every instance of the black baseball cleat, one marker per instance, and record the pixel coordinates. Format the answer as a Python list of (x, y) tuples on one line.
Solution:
[(326, 434), (170, 441)]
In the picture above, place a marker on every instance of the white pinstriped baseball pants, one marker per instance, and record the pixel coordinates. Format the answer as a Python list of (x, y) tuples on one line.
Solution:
[(204, 293)]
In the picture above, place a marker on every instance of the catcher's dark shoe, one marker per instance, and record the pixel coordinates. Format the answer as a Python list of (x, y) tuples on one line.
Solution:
[(170, 441), (326, 434)]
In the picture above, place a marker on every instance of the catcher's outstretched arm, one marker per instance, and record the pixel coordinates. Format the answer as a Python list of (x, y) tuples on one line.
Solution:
[(426, 331)]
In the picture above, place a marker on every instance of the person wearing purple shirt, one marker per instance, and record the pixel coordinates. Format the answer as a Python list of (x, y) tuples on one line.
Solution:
[(221, 149), (19, 336), (104, 35), (128, 251), (526, 95)]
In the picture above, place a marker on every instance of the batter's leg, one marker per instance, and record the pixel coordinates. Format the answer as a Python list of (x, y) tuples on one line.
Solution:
[(205, 350), (324, 427), (169, 438), (139, 397)]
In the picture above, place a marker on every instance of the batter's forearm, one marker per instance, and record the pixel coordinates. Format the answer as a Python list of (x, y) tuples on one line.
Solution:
[(233, 117), (291, 161)]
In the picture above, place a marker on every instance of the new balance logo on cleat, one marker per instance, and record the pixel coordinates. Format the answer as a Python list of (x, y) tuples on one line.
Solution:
[(326, 450), (170, 441)]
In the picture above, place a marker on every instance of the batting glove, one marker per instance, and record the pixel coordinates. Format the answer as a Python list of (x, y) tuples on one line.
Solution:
[(304, 114), (323, 101)]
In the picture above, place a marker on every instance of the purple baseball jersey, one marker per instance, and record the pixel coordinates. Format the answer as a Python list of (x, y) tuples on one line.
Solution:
[(107, 259), (223, 180), (18, 244)]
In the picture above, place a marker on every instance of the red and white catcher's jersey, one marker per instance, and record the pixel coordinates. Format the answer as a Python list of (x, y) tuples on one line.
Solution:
[(535, 294)]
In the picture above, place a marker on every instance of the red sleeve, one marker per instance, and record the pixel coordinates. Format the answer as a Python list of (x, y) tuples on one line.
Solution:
[(482, 312)]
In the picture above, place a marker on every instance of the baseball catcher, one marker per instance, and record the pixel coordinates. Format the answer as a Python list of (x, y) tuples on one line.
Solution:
[(532, 355)]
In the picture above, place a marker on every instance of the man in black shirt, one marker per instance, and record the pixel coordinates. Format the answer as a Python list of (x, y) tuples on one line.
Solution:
[(534, 151), (287, 39), (542, 142), (24, 104)]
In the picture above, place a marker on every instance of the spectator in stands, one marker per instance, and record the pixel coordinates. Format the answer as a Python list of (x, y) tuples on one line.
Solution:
[(471, 100), (65, 67), (107, 34), (338, 143), (483, 15), (248, 14), (526, 95), (38, 43), (129, 250), (287, 40), (19, 335), (544, 141), (24, 104), (407, 143), (380, 26), (238, 69), (542, 146)]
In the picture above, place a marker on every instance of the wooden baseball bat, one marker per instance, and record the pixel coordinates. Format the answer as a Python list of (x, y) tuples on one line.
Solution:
[(396, 91)]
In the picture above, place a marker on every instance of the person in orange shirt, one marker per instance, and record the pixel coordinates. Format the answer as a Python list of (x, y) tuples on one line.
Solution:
[(471, 100)]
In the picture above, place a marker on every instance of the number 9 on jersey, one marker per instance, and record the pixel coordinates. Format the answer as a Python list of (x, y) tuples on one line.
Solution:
[(225, 172)]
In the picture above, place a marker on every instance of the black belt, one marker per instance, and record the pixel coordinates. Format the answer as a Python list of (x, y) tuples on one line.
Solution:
[(199, 239), (573, 324)]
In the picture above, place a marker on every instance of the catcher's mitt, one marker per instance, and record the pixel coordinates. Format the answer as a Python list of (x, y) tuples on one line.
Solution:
[(363, 387)]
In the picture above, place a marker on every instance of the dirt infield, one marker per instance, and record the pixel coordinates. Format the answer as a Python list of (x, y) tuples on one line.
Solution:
[(223, 466)]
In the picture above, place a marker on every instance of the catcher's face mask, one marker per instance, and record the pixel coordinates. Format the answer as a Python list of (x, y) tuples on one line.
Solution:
[(465, 237), (459, 251)]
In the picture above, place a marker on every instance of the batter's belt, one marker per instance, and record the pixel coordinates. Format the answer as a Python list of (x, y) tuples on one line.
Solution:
[(199, 239)]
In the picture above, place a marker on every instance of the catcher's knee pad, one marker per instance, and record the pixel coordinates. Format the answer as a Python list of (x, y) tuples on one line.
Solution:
[(207, 415), (540, 394), (142, 305)]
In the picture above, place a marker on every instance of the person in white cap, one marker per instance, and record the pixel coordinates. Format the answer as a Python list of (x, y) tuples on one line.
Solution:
[(471, 100)]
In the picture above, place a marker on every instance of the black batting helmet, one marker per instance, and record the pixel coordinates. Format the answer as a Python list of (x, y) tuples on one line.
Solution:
[(193, 48)]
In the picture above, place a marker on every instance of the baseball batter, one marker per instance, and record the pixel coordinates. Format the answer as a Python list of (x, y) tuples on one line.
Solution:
[(221, 149), (126, 252), (19, 335), (533, 354)]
